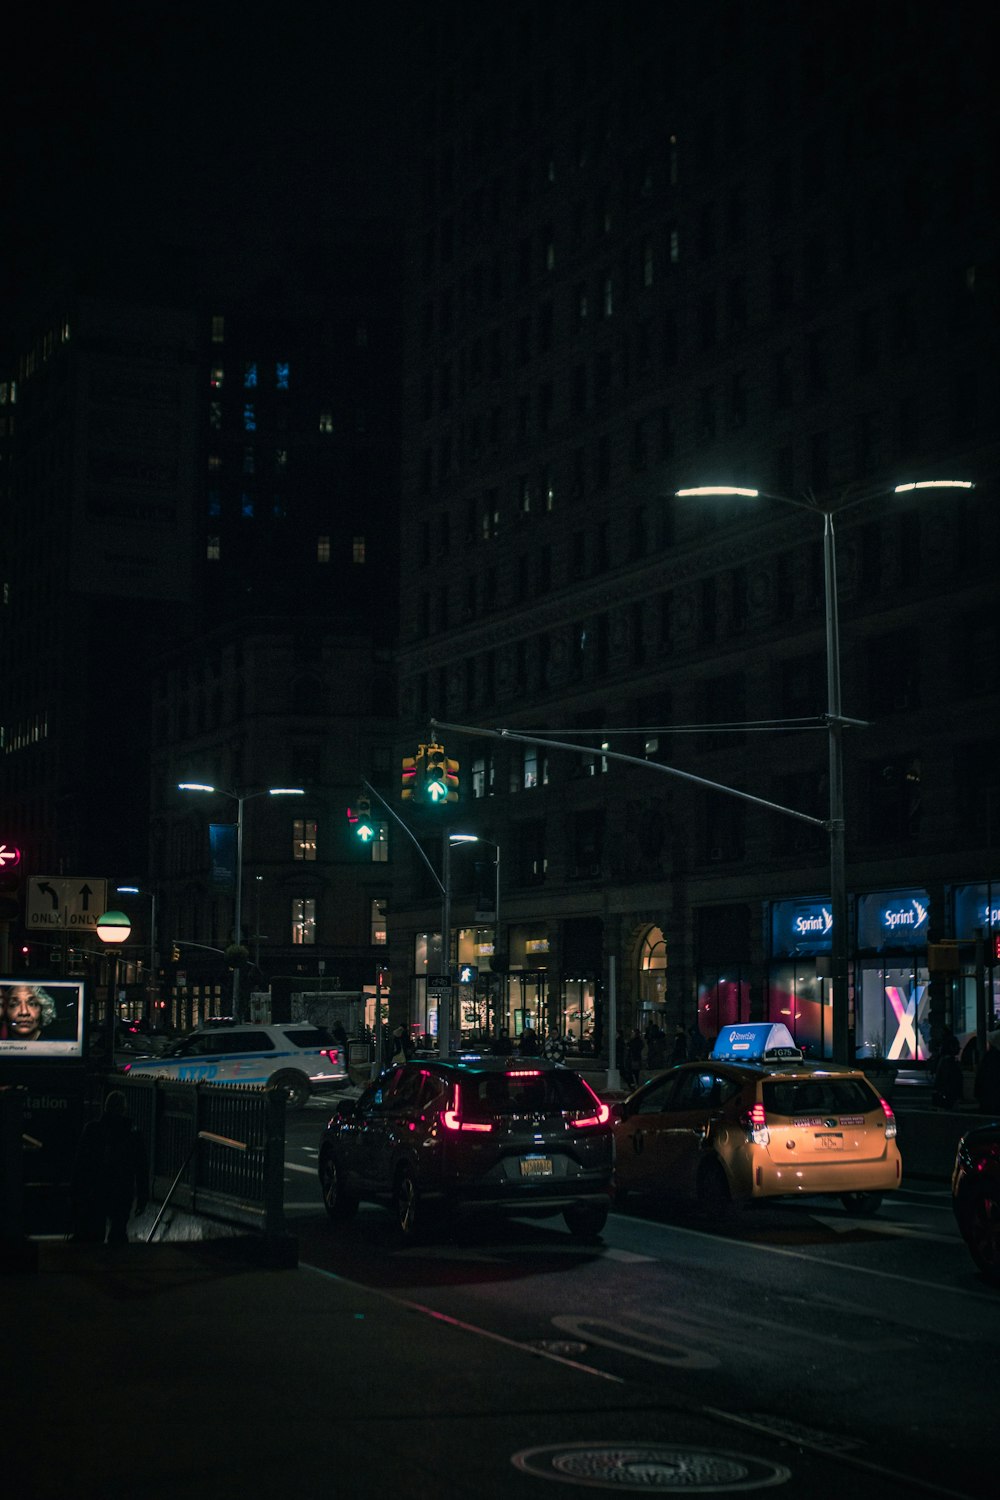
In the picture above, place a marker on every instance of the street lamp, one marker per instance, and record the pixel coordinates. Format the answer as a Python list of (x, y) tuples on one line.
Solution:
[(835, 720), (134, 890), (113, 928), (240, 798), (475, 838)]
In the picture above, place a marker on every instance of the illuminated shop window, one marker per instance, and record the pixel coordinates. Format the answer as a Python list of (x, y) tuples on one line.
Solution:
[(303, 921)]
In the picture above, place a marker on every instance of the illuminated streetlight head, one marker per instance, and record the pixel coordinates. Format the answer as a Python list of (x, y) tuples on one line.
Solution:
[(286, 791), (194, 786), (934, 484), (717, 489)]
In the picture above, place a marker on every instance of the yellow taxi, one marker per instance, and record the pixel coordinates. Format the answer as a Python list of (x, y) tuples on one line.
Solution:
[(755, 1121)]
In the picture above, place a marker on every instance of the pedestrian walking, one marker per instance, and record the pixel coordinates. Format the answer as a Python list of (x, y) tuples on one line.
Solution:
[(680, 1048), (528, 1045), (110, 1176)]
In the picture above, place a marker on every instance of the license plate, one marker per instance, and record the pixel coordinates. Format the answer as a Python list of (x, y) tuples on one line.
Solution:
[(536, 1166), (830, 1142)]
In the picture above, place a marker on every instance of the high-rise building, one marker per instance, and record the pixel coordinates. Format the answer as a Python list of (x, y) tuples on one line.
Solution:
[(653, 247)]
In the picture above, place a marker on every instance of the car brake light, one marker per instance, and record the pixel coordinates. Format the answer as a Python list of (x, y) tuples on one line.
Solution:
[(452, 1118), (754, 1122), (890, 1120), (602, 1115)]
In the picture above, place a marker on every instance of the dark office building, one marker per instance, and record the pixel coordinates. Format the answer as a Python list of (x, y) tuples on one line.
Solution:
[(654, 247)]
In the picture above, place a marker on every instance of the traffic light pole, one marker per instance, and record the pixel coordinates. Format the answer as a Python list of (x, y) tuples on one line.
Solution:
[(444, 1006)]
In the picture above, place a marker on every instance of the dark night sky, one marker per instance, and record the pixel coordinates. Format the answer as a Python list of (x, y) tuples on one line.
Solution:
[(133, 127)]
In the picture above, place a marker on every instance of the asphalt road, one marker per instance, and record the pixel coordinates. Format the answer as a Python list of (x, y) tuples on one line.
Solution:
[(858, 1346)]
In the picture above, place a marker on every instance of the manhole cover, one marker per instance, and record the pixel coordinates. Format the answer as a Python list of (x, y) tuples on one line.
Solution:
[(650, 1467)]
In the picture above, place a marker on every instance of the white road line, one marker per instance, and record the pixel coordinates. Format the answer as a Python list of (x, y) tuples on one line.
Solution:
[(295, 1166)]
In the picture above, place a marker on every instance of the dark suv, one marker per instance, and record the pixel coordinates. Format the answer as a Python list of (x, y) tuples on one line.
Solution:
[(444, 1137)]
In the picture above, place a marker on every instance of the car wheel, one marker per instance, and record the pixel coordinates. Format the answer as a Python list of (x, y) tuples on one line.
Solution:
[(714, 1197), (338, 1204), (862, 1205), (980, 1225), (294, 1086), (585, 1220), (406, 1200)]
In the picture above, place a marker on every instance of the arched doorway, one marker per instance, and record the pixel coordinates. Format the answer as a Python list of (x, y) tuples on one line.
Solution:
[(651, 976)]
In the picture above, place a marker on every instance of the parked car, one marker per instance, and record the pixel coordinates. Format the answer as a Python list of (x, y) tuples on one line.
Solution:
[(435, 1138), (755, 1121), (975, 1195), (295, 1058)]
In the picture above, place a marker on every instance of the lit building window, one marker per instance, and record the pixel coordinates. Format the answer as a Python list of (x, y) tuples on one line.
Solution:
[(249, 418), (323, 549), (218, 330), (216, 377), (214, 462), (326, 421), (281, 458), (380, 844), (215, 415), (214, 503), (249, 461), (246, 506), (250, 375), (304, 838), (281, 375), (378, 928), (213, 551), (358, 549), (303, 921)]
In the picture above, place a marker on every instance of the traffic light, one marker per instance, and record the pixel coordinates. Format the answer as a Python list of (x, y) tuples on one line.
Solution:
[(435, 787), (364, 828), (175, 954), (451, 777), (410, 774)]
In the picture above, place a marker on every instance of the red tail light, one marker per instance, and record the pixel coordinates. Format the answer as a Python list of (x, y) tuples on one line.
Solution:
[(452, 1118), (754, 1122), (890, 1120), (600, 1117)]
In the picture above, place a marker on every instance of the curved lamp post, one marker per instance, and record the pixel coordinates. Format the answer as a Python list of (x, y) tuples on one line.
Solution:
[(240, 798), (834, 718), (113, 929)]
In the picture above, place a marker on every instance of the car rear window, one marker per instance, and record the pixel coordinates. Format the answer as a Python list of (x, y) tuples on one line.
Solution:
[(309, 1036), (819, 1096), (522, 1091)]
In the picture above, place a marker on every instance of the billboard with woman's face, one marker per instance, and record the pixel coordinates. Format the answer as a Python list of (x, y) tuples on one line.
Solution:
[(41, 1018)]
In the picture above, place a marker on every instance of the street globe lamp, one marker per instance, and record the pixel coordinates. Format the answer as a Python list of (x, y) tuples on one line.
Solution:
[(113, 929)]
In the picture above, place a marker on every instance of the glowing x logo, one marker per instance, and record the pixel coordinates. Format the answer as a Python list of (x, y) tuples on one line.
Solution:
[(906, 1015)]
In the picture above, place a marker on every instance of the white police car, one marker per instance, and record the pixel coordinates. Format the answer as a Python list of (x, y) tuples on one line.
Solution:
[(295, 1057)]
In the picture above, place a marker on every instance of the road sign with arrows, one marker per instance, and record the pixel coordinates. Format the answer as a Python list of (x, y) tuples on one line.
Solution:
[(57, 902)]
